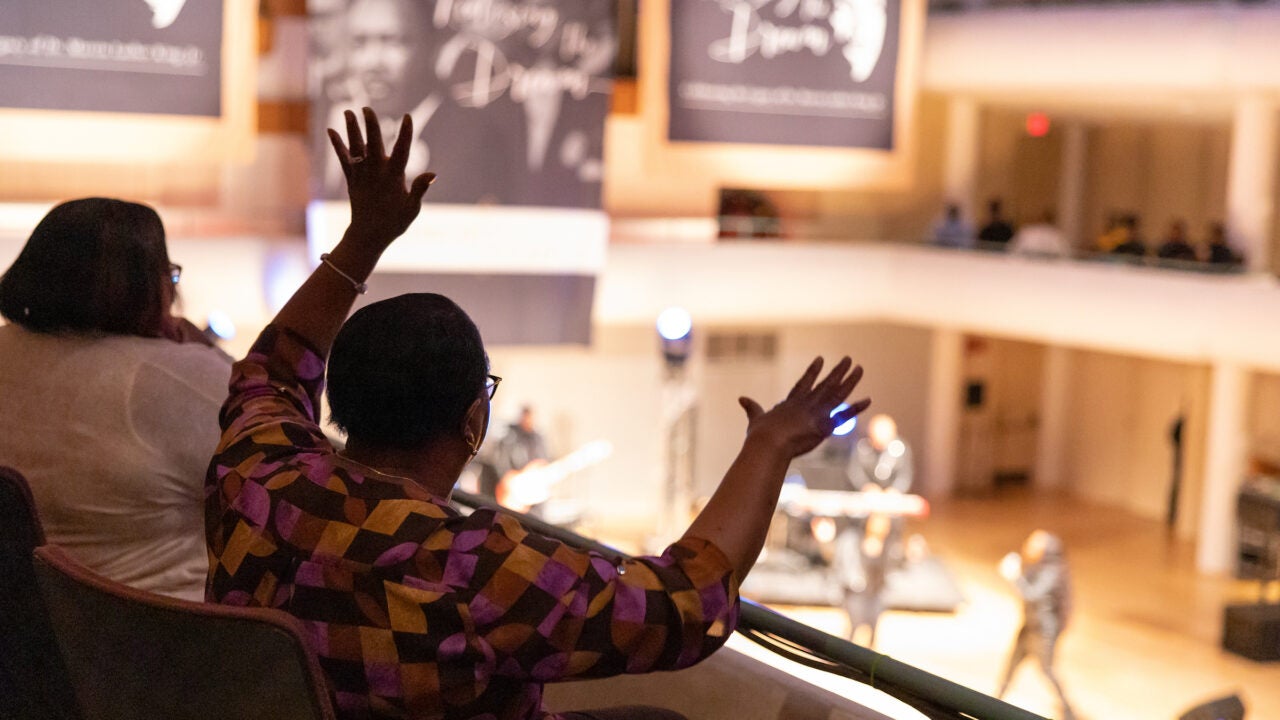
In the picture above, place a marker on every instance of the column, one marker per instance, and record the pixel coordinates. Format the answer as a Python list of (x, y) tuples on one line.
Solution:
[(1075, 148), (1224, 467), (1251, 180), (942, 428), (960, 173), (1051, 438)]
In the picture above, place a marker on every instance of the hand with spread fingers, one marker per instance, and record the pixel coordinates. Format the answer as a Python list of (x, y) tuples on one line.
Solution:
[(737, 516), (805, 418), (382, 207)]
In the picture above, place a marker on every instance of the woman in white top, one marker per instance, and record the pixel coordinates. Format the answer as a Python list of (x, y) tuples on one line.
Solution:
[(108, 403)]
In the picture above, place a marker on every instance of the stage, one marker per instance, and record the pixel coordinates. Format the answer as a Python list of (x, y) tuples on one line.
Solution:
[(1143, 642)]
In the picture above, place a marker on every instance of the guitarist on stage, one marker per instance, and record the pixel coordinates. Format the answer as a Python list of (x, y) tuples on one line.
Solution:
[(521, 446), (522, 449)]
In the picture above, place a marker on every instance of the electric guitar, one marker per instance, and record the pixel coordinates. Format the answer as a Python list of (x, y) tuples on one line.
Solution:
[(521, 489)]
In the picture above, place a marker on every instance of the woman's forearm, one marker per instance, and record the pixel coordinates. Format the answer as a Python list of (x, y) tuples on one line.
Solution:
[(736, 518), (319, 307)]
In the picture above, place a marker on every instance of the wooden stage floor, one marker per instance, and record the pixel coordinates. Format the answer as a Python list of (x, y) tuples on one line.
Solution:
[(1143, 642)]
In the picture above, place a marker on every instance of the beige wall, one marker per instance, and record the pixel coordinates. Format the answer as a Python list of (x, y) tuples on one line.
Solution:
[(606, 392), (1264, 419), (613, 391), (1160, 171), (998, 438), (1021, 170), (1120, 408), (1118, 451)]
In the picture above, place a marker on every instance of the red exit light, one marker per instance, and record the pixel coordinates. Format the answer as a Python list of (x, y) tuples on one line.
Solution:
[(1037, 124)]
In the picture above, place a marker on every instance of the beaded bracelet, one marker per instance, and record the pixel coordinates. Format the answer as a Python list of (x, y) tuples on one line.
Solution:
[(359, 287)]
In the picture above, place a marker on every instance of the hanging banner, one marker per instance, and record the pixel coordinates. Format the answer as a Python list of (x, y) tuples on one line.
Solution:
[(784, 72), (130, 56), (508, 98)]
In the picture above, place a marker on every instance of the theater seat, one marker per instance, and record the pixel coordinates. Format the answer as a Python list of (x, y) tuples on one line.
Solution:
[(133, 654), (33, 681)]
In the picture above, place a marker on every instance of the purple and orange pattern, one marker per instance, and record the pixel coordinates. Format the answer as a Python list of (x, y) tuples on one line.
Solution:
[(415, 610)]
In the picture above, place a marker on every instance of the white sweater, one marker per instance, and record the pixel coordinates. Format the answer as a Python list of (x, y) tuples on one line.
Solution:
[(114, 434)]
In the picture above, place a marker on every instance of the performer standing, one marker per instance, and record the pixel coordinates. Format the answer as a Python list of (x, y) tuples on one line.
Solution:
[(521, 452), (1040, 573), (860, 562), (882, 461), (882, 458)]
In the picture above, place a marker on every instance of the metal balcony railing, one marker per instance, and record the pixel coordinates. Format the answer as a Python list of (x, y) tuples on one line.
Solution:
[(936, 698)]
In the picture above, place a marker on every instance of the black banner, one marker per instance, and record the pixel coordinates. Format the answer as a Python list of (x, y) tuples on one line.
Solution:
[(134, 56), (508, 97), (784, 72)]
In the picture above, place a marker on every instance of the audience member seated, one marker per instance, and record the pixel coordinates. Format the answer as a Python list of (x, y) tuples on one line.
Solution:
[(1175, 245), (997, 230), (1220, 252), (415, 610), (108, 403), (953, 231), (1041, 238), (1131, 240), (1116, 233)]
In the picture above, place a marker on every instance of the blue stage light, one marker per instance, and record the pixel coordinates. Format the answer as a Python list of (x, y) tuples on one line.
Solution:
[(846, 427)]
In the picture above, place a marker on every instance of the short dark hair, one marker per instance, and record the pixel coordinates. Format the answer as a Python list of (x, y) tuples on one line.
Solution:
[(403, 371), (91, 265)]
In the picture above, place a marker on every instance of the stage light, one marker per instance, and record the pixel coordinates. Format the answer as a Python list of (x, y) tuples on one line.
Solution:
[(847, 426), (675, 323), (675, 330), (221, 326)]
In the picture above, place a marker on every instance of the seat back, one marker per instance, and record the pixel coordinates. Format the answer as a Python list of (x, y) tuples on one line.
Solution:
[(1227, 708), (133, 654), (33, 680)]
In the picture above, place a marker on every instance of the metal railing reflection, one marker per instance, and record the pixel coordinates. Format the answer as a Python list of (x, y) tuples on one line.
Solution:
[(1094, 256), (962, 5)]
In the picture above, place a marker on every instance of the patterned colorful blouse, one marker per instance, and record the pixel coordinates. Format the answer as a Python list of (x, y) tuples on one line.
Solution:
[(415, 610)]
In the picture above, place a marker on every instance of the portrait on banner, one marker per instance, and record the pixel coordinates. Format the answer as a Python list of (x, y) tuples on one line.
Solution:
[(508, 98)]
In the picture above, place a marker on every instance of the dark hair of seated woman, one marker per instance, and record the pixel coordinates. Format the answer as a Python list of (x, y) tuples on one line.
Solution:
[(94, 265), (403, 371)]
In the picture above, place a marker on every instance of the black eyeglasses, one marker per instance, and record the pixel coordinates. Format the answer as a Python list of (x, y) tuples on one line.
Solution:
[(175, 273), (491, 385)]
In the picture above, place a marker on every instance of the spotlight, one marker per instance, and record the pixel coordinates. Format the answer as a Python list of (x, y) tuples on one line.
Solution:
[(847, 426), (219, 325), (675, 330), (675, 323)]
